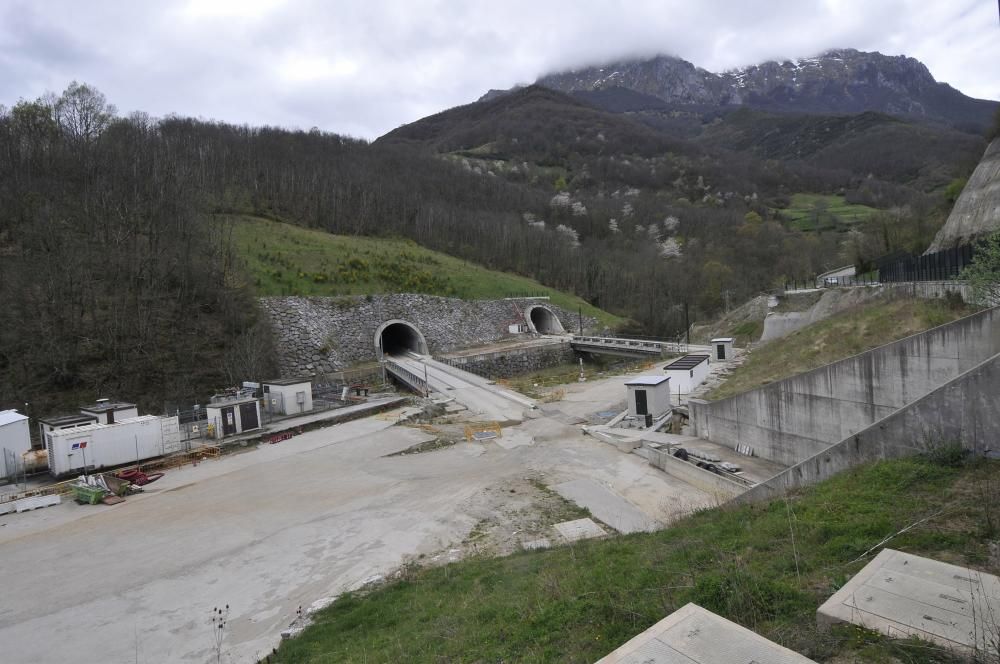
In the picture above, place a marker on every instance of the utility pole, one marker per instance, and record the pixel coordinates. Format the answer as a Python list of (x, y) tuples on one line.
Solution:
[(687, 325)]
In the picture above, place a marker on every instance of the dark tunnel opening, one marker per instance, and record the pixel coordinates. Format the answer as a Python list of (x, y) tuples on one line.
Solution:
[(401, 338), (545, 321)]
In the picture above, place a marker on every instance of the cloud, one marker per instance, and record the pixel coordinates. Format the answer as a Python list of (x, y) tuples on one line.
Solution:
[(365, 67)]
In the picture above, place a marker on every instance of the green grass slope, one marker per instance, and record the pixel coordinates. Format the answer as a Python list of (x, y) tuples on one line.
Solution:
[(284, 259), (842, 335), (819, 212), (767, 567)]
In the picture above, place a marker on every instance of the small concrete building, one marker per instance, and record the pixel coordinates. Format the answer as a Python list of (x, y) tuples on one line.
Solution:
[(228, 417), (723, 348), (288, 396), (648, 395), (60, 422), (15, 440), (687, 373), (107, 411)]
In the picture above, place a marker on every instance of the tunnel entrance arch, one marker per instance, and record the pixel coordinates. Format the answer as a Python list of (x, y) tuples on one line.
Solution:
[(397, 337), (543, 320)]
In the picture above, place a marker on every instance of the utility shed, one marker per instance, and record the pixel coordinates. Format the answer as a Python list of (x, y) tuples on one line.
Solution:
[(288, 396), (901, 595), (687, 373), (95, 446), (15, 440), (648, 395), (723, 348), (107, 411), (228, 418), (693, 635), (60, 422)]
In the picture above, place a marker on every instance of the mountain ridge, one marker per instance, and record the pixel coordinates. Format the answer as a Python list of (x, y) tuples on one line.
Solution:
[(837, 81)]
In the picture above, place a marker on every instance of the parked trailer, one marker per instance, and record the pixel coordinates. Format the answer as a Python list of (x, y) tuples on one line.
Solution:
[(97, 446)]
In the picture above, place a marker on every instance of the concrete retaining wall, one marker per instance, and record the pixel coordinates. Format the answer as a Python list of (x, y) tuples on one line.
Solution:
[(964, 410), (319, 335), (504, 364), (778, 324), (698, 477), (794, 419)]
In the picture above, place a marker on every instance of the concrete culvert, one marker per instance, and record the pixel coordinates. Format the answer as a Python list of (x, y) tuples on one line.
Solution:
[(399, 337), (544, 321)]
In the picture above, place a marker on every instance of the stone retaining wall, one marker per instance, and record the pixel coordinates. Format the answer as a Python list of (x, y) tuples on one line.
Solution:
[(504, 364), (317, 335)]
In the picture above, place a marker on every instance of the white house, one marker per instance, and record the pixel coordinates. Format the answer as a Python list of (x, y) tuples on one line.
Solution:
[(15, 440), (94, 446), (723, 347), (229, 417), (288, 396), (648, 395), (687, 373)]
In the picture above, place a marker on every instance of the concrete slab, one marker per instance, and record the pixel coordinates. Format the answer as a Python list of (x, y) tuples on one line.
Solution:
[(693, 635), (579, 529), (607, 506), (899, 594)]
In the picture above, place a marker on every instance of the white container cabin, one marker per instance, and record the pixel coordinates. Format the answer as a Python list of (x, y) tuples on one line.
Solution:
[(15, 440), (687, 373), (648, 395), (288, 396), (95, 446), (229, 417)]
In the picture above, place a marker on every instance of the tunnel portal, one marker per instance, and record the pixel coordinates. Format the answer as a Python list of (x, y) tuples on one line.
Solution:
[(544, 321), (397, 337)]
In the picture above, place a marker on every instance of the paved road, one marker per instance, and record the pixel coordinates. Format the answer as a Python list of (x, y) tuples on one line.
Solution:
[(474, 392)]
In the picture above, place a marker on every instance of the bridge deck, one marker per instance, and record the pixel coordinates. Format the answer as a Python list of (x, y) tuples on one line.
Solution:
[(476, 393)]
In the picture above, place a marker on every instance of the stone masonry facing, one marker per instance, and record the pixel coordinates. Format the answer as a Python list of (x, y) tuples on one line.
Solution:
[(318, 335)]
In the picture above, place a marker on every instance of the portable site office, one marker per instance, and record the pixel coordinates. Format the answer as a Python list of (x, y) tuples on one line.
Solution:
[(95, 446)]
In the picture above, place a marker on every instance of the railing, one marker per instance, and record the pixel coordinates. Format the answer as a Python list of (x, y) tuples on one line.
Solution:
[(631, 345), (527, 296), (408, 377)]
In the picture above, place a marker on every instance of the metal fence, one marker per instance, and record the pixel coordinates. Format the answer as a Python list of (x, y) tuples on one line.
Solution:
[(939, 266)]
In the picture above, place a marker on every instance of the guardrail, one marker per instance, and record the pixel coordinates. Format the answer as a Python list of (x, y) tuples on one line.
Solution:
[(408, 377), (631, 345)]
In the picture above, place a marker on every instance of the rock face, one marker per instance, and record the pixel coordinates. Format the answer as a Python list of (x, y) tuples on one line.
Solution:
[(977, 210), (319, 335), (838, 81)]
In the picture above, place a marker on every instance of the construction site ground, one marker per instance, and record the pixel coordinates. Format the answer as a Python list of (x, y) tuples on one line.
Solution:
[(292, 525)]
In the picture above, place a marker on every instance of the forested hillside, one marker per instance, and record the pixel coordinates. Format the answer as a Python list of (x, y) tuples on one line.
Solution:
[(117, 280)]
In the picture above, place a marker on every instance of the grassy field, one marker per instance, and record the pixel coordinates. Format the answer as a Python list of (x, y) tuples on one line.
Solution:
[(284, 259), (837, 337), (811, 212), (767, 567)]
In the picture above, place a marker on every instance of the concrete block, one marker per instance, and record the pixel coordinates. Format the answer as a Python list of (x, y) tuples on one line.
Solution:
[(902, 595), (7, 508), (35, 502), (541, 543), (607, 506), (693, 635), (578, 530)]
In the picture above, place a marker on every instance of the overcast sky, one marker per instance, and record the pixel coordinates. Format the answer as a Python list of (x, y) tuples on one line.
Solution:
[(364, 67)]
